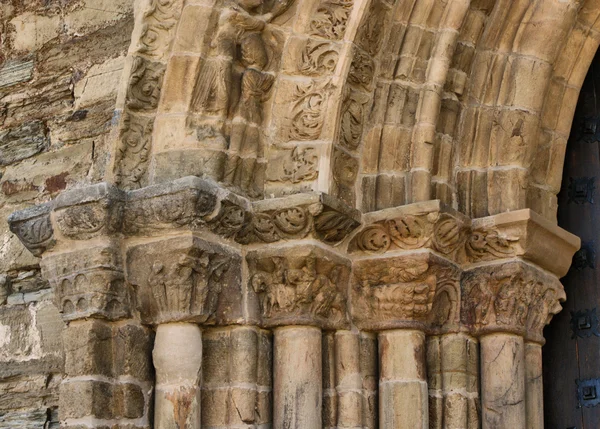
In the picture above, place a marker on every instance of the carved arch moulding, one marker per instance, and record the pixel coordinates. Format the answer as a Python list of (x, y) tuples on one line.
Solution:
[(369, 173)]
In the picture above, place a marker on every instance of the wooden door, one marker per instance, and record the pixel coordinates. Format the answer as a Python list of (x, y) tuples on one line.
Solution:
[(572, 350)]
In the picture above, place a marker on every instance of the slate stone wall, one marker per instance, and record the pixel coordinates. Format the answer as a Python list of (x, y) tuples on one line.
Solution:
[(60, 64)]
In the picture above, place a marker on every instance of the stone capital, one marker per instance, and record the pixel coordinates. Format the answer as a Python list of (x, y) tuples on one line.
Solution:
[(515, 297), (300, 285), (415, 290), (185, 279)]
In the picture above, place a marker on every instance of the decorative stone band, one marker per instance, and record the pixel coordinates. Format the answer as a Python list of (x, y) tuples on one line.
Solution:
[(190, 203), (431, 225), (513, 297), (304, 285), (426, 225)]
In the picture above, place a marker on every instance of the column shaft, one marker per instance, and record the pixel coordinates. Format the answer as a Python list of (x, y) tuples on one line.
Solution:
[(502, 381), (403, 395), (534, 386), (369, 376), (348, 380), (298, 386), (177, 358)]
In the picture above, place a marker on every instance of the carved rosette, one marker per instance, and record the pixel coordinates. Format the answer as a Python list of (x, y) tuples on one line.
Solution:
[(300, 286), (413, 290), (512, 297), (182, 279), (88, 283)]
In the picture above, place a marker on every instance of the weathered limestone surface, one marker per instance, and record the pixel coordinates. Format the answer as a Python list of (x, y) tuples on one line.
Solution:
[(298, 213)]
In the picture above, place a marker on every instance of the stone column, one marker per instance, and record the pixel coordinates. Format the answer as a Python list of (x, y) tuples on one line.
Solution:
[(348, 380), (503, 381), (301, 292), (403, 395), (369, 377), (236, 377), (534, 385), (177, 358), (297, 378)]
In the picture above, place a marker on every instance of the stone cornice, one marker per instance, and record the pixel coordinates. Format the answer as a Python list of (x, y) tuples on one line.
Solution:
[(190, 203), (532, 238)]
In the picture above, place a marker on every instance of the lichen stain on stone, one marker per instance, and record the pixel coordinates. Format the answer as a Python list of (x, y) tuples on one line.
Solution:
[(182, 404)]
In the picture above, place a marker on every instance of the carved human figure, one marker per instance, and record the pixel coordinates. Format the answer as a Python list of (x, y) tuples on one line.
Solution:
[(480, 299), (244, 145), (238, 41)]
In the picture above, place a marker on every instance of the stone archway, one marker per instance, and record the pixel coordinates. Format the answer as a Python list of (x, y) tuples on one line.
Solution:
[(327, 185)]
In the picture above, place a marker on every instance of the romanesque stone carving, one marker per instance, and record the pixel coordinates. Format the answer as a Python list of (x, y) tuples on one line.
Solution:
[(34, 228), (373, 29), (331, 18), (84, 214), (300, 288), (238, 43), (393, 292), (158, 25), (145, 83), (511, 296), (362, 70), (179, 207), (133, 154), (352, 122), (345, 172), (301, 166), (88, 283), (307, 110), (440, 231), (315, 214), (317, 58), (486, 244), (180, 279)]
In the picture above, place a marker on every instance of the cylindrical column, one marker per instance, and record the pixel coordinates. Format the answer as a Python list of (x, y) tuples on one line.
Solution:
[(177, 358), (236, 372), (534, 386), (348, 379), (502, 381), (330, 397), (298, 389), (369, 376), (403, 396)]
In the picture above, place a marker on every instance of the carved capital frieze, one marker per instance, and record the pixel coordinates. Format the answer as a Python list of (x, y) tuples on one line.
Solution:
[(34, 228), (417, 226), (513, 297), (82, 214), (185, 279), (412, 290), (304, 285), (88, 283), (316, 215), (188, 203)]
